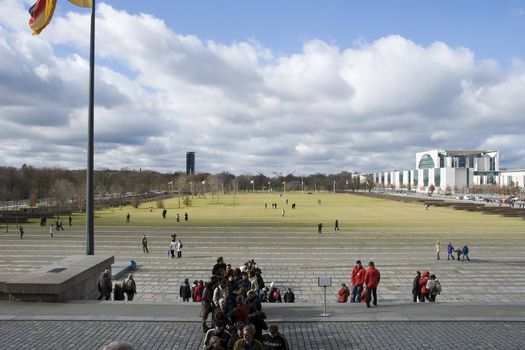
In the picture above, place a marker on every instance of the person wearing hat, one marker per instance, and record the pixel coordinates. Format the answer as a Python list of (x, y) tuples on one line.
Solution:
[(357, 280), (130, 288)]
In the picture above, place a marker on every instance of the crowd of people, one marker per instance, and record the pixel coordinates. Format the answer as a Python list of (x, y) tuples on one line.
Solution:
[(233, 298), (425, 287)]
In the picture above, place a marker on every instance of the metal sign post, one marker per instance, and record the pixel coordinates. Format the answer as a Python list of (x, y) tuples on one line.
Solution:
[(324, 281)]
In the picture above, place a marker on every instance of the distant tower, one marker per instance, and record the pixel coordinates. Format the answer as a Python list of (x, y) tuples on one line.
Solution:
[(190, 163)]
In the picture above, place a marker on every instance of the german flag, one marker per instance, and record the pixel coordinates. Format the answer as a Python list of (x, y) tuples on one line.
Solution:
[(41, 13)]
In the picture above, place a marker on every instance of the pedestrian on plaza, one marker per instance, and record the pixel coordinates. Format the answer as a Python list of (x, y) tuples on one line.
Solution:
[(289, 296), (372, 278), (150, 208), (424, 290), (465, 251), (436, 288), (282, 213), (128, 218), (186, 217), (51, 230), (105, 286), (235, 335), (220, 332), (248, 341), (118, 292), (178, 217), (458, 253), (336, 227), (59, 225), (207, 304), (357, 280), (343, 293), (21, 229), (185, 291), (450, 251), (179, 249), (214, 343), (416, 288), (173, 246), (320, 228), (274, 340), (194, 286), (437, 249), (70, 219), (164, 212), (130, 287), (145, 244)]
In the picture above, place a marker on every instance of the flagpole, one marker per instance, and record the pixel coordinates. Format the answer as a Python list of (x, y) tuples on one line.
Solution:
[(90, 227)]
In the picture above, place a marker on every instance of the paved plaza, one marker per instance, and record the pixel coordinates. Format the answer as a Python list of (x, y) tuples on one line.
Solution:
[(291, 257), (91, 325), (483, 301)]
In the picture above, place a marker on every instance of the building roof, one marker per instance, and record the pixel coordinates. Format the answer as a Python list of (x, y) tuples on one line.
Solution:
[(464, 152)]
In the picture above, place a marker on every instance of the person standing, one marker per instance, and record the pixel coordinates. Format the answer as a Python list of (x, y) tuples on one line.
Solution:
[(336, 227), (179, 249), (164, 212), (372, 278), (105, 286), (357, 280), (130, 287), (437, 249), (274, 340), (173, 246), (450, 251), (145, 244), (186, 217), (128, 218), (178, 217), (282, 213), (70, 219), (289, 296), (185, 291), (21, 229), (51, 230), (248, 341), (465, 251), (320, 228), (416, 288)]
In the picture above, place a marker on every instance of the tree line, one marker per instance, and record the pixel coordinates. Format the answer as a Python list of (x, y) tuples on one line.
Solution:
[(59, 187)]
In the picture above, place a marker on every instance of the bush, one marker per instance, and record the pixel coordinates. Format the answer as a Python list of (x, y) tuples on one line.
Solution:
[(160, 203), (187, 201)]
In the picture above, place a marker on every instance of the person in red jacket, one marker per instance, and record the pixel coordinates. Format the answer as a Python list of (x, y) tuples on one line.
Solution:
[(343, 293), (424, 290), (358, 278), (372, 277)]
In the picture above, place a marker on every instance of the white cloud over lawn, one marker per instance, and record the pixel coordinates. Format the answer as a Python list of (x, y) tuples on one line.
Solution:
[(240, 106)]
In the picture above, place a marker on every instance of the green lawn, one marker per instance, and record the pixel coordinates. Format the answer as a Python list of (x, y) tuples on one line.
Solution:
[(357, 212)]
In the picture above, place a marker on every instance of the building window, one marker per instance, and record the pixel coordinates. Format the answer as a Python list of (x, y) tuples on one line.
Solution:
[(492, 164), (426, 162), (437, 177), (425, 177)]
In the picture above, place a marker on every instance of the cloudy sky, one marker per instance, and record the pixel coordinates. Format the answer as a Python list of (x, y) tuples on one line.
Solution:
[(315, 86)]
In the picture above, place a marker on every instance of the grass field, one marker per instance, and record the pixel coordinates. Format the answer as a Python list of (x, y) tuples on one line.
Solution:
[(352, 211)]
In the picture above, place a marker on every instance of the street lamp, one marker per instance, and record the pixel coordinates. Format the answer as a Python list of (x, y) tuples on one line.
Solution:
[(253, 186)]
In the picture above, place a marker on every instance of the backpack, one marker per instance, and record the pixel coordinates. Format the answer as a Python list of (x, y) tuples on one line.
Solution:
[(437, 287), (430, 285)]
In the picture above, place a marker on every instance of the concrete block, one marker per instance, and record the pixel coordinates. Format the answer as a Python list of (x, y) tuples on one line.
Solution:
[(71, 278)]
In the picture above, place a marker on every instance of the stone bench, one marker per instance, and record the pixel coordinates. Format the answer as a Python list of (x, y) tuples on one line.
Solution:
[(71, 278)]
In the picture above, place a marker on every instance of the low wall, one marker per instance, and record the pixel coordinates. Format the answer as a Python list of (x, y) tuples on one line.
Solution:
[(72, 278)]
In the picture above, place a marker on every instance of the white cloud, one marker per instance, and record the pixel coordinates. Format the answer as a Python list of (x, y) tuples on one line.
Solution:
[(241, 107)]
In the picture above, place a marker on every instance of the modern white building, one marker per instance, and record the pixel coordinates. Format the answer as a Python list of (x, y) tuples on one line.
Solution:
[(451, 171)]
